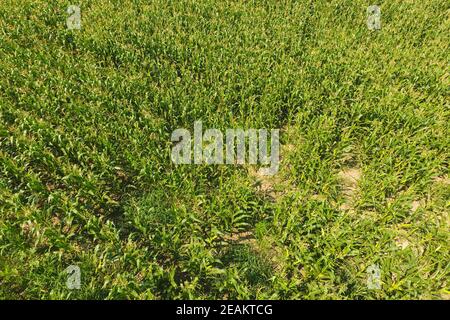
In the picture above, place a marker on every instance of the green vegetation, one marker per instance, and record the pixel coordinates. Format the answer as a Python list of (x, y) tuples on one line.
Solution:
[(86, 177)]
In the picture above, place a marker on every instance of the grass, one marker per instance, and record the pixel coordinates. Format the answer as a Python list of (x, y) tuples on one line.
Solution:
[(85, 172)]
